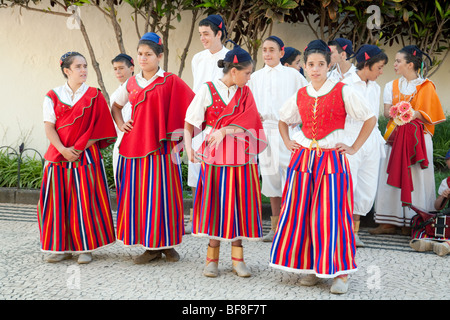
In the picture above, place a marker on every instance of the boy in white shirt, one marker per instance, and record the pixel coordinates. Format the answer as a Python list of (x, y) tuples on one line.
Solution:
[(123, 66), (365, 164), (271, 87), (341, 50), (212, 32)]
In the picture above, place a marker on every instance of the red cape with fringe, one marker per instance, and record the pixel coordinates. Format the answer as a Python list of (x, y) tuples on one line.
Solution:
[(88, 119), (408, 149), (158, 112), (236, 149)]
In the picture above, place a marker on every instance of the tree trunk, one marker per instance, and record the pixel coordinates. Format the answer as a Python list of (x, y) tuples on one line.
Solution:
[(188, 44)]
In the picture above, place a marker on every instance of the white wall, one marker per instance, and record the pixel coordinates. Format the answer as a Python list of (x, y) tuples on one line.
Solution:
[(31, 44)]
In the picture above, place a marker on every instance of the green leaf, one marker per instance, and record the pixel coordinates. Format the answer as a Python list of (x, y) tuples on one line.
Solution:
[(438, 7)]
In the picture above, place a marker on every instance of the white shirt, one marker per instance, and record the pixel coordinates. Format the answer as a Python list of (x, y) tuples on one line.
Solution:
[(336, 74), (272, 87), (126, 110), (443, 186), (370, 92), (204, 67), (406, 87), (355, 106), (122, 93), (66, 96), (195, 113)]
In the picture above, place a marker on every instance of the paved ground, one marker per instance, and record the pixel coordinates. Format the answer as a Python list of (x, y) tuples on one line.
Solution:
[(388, 270)]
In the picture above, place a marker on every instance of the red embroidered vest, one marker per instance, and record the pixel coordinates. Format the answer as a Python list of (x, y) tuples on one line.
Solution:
[(215, 109), (322, 115)]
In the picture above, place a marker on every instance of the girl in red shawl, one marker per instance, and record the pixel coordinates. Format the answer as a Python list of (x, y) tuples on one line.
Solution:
[(148, 177), (227, 205), (74, 209)]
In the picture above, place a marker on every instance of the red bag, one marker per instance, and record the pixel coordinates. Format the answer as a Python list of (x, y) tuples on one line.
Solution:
[(436, 224)]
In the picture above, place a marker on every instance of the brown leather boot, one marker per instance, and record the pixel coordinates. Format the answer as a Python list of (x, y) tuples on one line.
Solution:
[(147, 256), (171, 255)]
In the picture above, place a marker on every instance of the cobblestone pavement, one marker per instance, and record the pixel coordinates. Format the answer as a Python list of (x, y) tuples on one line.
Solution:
[(388, 269)]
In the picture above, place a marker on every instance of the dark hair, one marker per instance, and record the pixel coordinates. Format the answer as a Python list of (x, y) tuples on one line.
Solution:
[(122, 59), (206, 23), (156, 48), (67, 60), (369, 63), (338, 47), (227, 66), (327, 55), (289, 60), (416, 60)]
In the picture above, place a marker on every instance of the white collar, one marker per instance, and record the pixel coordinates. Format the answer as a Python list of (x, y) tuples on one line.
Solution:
[(418, 81), (278, 67), (324, 89), (159, 73), (217, 53), (82, 88)]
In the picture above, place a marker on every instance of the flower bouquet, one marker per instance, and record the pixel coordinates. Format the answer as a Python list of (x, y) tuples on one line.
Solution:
[(401, 114)]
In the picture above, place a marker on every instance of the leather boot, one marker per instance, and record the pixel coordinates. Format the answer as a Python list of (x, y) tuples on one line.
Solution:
[(340, 285), (239, 267), (147, 256), (58, 257), (421, 245), (188, 228), (441, 248), (273, 228), (212, 262), (171, 255), (358, 241)]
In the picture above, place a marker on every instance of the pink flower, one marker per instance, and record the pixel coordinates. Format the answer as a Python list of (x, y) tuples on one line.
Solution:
[(403, 106), (406, 116), (393, 111)]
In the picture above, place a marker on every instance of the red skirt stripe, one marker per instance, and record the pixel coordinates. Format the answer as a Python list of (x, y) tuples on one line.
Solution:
[(315, 229), (74, 209), (227, 203), (150, 199)]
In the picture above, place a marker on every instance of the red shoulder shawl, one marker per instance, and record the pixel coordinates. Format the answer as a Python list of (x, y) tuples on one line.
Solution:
[(158, 112), (89, 119), (239, 148)]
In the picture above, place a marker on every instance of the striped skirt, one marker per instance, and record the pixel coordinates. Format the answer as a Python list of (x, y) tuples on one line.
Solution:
[(315, 229), (227, 203), (150, 199), (74, 209)]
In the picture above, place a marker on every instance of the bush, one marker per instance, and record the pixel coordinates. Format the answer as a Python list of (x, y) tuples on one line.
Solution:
[(31, 169)]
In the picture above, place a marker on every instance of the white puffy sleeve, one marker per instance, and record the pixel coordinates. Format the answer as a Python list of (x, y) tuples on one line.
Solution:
[(387, 93), (195, 113), (289, 113), (356, 105), (48, 110)]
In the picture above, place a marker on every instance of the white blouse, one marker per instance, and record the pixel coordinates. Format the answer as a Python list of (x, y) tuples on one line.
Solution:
[(272, 87), (355, 107), (121, 97), (66, 96), (204, 67), (406, 87)]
